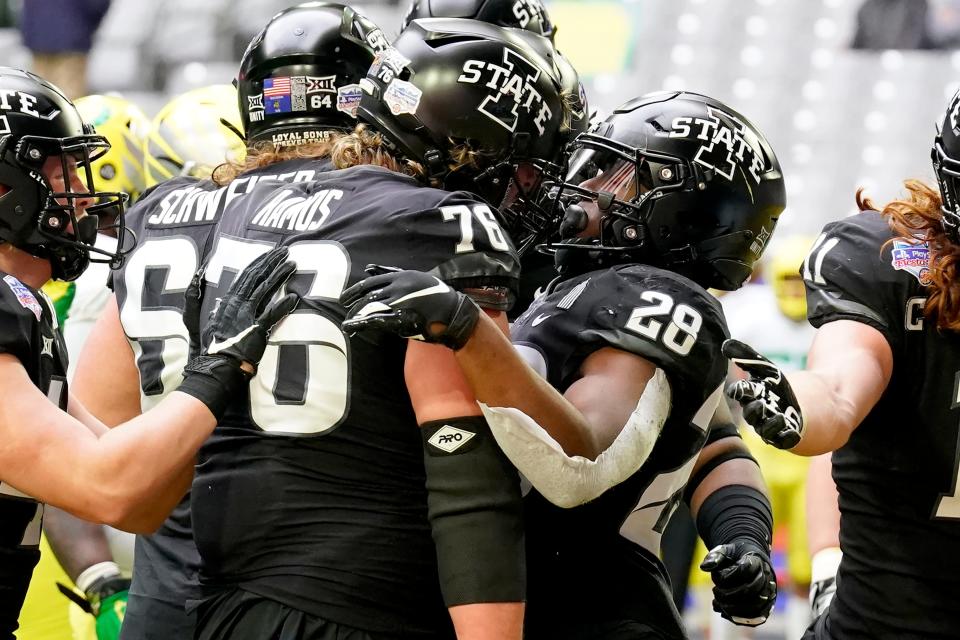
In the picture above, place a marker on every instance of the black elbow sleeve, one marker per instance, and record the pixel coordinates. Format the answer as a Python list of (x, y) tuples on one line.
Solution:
[(476, 513)]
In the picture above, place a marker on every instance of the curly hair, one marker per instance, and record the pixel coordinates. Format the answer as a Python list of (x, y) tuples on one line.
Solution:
[(918, 217), (264, 154), (363, 145)]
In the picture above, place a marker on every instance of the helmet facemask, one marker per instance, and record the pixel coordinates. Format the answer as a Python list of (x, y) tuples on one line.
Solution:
[(615, 183), (61, 234), (516, 189)]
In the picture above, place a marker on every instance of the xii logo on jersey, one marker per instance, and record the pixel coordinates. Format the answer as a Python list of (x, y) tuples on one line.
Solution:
[(726, 143), (513, 88)]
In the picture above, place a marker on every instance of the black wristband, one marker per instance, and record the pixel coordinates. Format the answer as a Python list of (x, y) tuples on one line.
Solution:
[(476, 513), (213, 380), (736, 512)]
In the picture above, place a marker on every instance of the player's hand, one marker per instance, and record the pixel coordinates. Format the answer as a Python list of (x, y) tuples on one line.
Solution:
[(105, 600), (411, 304), (768, 401), (745, 585), (237, 333), (244, 317)]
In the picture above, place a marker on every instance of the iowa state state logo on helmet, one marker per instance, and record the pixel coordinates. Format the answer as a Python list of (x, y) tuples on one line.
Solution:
[(513, 87), (726, 143)]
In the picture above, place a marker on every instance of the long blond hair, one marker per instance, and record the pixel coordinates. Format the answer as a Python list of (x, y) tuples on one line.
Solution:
[(345, 150), (918, 217), (363, 145), (264, 154)]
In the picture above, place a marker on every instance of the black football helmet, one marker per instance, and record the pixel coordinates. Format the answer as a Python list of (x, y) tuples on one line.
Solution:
[(520, 14), (299, 76), (448, 82), (946, 166), (38, 122), (680, 181)]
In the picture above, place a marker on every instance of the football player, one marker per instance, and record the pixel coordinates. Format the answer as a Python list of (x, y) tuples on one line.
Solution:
[(631, 339), (78, 545), (526, 220), (140, 345), (880, 390), (132, 476), (357, 511)]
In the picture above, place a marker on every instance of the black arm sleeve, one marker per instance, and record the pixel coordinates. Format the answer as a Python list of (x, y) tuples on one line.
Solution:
[(475, 511), (736, 512)]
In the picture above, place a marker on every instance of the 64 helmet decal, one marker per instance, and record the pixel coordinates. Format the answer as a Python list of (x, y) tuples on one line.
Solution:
[(299, 76), (673, 179)]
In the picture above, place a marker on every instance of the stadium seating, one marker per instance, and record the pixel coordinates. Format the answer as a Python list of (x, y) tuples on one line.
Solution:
[(839, 119)]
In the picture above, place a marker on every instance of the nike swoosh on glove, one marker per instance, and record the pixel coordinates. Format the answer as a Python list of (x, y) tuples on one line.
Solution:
[(245, 316), (238, 330), (769, 404), (745, 585), (410, 304)]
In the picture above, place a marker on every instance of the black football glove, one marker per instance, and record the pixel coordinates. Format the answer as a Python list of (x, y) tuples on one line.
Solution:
[(745, 585), (411, 304), (768, 402), (243, 319), (238, 329)]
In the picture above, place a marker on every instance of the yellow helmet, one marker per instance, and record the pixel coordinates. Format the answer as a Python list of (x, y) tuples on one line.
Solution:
[(783, 271), (125, 126), (188, 136)]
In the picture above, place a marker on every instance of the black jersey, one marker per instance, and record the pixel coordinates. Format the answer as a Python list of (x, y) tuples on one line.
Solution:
[(897, 475), (28, 331), (537, 272), (174, 223), (311, 490), (599, 562)]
